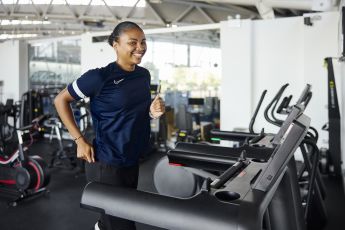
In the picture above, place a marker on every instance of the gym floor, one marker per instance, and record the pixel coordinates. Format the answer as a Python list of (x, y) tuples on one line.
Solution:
[(59, 210)]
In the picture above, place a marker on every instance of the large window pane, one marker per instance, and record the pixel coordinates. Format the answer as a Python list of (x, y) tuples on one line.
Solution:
[(54, 63), (185, 65)]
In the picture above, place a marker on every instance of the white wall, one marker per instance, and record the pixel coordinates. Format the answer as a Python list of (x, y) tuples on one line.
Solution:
[(320, 41), (14, 69), (271, 53), (236, 75), (277, 59), (94, 55)]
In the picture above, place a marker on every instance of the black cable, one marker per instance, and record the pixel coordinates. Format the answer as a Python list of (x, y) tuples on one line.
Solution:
[(316, 133), (312, 168), (320, 182)]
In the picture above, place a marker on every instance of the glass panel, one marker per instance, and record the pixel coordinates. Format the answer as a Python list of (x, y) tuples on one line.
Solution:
[(189, 63), (53, 64), (188, 67)]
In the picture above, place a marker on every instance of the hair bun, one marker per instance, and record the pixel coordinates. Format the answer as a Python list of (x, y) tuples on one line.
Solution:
[(119, 29), (111, 39)]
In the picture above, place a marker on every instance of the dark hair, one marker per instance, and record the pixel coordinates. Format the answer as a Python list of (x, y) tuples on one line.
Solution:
[(119, 29)]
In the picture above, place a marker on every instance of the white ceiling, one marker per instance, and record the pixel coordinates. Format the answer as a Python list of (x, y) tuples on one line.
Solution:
[(50, 18)]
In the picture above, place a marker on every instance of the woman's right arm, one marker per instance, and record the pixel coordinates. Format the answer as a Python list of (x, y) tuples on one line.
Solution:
[(62, 104)]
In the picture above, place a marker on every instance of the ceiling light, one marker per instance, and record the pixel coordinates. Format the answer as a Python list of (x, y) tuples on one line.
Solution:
[(125, 3), (22, 22), (14, 36)]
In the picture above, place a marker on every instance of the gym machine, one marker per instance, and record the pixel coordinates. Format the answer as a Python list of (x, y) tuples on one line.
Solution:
[(307, 170), (249, 194), (185, 182), (31, 107), (23, 176), (331, 159), (61, 157), (188, 120)]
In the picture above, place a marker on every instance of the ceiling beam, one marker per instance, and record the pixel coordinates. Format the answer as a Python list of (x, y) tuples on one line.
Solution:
[(6, 10), (14, 7), (183, 14), (87, 8), (239, 10), (220, 7), (131, 11), (155, 13), (71, 18), (76, 16), (37, 10), (203, 13), (285, 4), (111, 11), (47, 9), (41, 30)]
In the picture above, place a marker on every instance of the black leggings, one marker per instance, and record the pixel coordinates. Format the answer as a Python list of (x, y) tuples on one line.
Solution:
[(117, 176)]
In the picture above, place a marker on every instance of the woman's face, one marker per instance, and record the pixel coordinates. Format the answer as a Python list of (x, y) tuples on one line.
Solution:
[(131, 46)]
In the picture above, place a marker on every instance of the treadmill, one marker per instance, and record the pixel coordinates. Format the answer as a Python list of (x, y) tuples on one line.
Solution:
[(249, 194)]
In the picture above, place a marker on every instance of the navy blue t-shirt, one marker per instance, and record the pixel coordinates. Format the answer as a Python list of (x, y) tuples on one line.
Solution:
[(119, 102)]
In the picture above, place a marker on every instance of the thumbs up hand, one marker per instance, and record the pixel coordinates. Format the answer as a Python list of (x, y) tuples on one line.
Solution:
[(157, 107)]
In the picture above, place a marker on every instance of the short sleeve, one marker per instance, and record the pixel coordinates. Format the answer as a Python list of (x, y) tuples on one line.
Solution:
[(148, 75), (87, 85)]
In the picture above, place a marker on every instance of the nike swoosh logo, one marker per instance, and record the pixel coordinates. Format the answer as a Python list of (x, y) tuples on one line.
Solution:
[(118, 82)]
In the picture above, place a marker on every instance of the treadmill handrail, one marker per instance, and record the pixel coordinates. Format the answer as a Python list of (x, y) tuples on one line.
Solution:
[(232, 135)]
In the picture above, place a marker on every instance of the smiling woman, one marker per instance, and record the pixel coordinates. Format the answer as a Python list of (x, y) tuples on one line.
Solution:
[(121, 107), (129, 42)]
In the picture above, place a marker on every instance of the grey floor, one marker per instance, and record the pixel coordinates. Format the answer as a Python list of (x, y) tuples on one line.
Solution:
[(60, 209)]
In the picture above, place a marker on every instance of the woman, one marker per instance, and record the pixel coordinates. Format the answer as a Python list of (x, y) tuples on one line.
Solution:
[(121, 108)]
